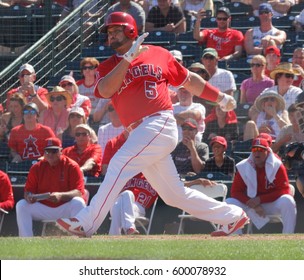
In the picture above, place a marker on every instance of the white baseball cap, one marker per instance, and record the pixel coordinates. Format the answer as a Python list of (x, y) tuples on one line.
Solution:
[(177, 54), (27, 67)]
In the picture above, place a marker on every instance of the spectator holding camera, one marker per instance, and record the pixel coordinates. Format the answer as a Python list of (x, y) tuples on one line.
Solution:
[(31, 91), (226, 41)]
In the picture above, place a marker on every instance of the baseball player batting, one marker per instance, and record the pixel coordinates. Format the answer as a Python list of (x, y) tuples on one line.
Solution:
[(136, 79)]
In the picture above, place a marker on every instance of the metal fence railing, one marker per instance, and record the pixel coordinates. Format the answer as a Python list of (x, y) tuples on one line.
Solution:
[(63, 43)]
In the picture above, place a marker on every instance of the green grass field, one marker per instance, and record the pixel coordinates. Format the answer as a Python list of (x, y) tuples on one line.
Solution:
[(155, 247)]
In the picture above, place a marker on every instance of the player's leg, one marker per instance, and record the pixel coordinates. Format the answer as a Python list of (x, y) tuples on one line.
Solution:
[(286, 207)]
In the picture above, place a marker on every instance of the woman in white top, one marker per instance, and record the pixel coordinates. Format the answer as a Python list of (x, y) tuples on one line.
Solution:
[(283, 76), (271, 118)]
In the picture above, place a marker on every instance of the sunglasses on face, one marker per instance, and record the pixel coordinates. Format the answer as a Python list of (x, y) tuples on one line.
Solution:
[(188, 128), (255, 65), (52, 151), (258, 149), (209, 57), (264, 12), (78, 134), (57, 98), (75, 116), (287, 75), (66, 85), (272, 99), (29, 112), (88, 68), (221, 18)]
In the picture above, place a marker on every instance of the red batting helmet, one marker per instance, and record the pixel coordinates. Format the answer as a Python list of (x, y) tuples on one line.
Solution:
[(123, 19)]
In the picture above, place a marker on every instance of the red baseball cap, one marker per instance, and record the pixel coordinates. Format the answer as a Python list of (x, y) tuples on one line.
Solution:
[(219, 139), (190, 122), (260, 142), (273, 49), (266, 136), (52, 143)]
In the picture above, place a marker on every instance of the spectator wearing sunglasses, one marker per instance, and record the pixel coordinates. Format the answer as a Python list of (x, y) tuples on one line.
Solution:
[(219, 78), (271, 117), (261, 187), (27, 140), (190, 155), (283, 76), (31, 91), (56, 115), (226, 41), (59, 179), (86, 152), (76, 117), (89, 71), (252, 87), (78, 100), (258, 38)]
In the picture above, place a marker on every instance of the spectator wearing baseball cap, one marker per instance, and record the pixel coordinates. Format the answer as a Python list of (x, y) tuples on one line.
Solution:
[(76, 117), (273, 58), (69, 84), (258, 38), (26, 141), (226, 41), (189, 155), (177, 55), (28, 88), (219, 162), (61, 186), (259, 197), (221, 78)]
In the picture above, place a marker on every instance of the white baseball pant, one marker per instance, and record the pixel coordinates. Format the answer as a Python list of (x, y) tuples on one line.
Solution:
[(124, 212), (29, 212), (285, 206), (147, 150)]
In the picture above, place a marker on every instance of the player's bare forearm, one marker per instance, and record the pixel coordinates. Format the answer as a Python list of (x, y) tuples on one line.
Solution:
[(111, 83)]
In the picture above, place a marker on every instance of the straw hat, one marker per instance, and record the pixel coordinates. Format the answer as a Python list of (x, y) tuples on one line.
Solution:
[(260, 99), (284, 67), (60, 91)]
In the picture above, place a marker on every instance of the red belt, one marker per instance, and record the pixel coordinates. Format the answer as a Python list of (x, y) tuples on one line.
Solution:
[(132, 126)]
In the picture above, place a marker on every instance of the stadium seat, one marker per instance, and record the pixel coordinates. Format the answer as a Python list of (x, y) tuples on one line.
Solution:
[(101, 52), (242, 149), (160, 38), (214, 176), (208, 23), (4, 151), (15, 26), (271, 218), (217, 191), (239, 65), (18, 180), (145, 222), (239, 9), (2, 215), (186, 38), (20, 168), (283, 23), (244, 23), (296, 9), (189, 51), (242, 111)]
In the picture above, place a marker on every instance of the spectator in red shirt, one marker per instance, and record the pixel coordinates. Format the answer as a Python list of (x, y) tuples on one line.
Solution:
[(7, 201), (86, 152), (136, 196), (60, 180), (31, 92), (27, 140), (226, 41), (261, 187)]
